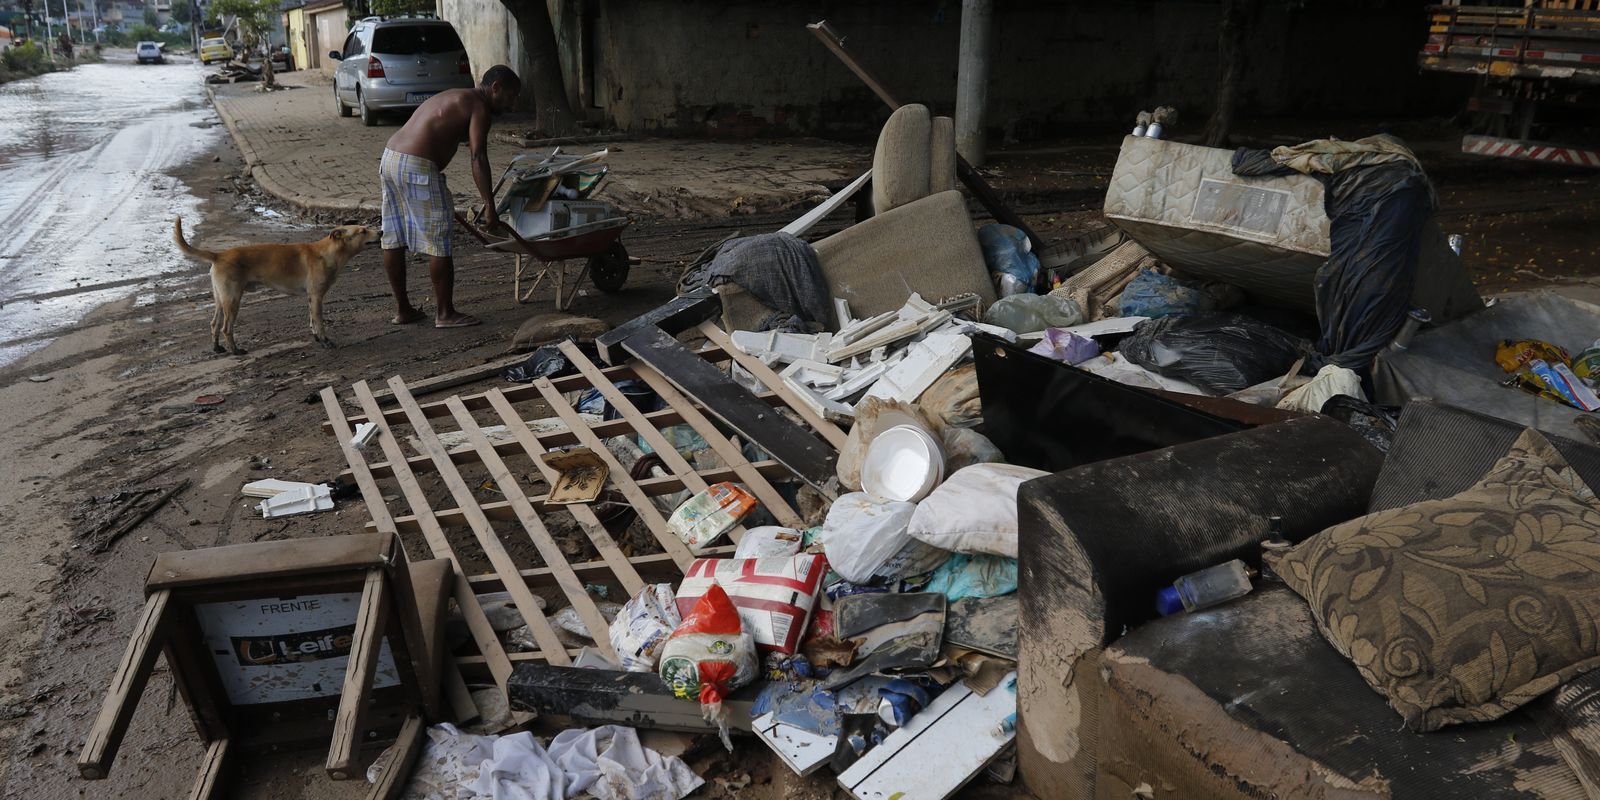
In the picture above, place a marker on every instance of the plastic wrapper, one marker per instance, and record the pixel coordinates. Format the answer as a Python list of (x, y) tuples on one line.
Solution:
[(964, 576), (708, 656), (703, 518), (1152, 294), (1219, 353), (643, 626), (568, 620), (775, 596), (1066, 347), (768, 541), (1006, 251), (546, 362), (1586, 364), (866, 541), (1026, 313), (1514, 354)]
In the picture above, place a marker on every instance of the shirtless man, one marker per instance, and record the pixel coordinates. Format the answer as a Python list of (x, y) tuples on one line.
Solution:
[(418, 209)]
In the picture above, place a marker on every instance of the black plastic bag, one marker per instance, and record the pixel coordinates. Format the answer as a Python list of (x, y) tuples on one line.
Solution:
[(1219, 353), (1375, 423), (546, 362)]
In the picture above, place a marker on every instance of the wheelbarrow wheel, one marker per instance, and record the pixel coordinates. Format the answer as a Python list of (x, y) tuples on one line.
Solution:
[(609, 270)]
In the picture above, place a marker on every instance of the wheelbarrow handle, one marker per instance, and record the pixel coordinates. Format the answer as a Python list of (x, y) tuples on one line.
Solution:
[(484, 237)]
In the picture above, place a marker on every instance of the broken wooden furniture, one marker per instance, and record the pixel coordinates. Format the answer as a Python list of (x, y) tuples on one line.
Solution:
[(284, 644), (425, 473)]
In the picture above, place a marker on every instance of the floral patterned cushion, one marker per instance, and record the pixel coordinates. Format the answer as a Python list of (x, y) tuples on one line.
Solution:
[(1463, 609)]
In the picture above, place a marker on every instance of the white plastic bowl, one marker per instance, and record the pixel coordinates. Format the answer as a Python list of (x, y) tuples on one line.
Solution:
[(904, 463)]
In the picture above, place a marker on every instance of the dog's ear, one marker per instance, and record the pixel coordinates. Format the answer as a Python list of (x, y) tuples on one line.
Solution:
[(338, 233)]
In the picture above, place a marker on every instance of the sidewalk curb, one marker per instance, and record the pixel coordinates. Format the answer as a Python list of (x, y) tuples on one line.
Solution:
[(299, 200)]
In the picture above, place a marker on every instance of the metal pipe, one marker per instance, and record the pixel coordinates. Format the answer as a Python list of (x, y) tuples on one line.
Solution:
[(972, 81)]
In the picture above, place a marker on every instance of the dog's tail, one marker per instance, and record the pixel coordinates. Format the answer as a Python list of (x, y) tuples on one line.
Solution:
[(192, 252)]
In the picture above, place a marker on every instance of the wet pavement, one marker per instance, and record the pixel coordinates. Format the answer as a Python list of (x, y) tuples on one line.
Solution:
[(86, 201)]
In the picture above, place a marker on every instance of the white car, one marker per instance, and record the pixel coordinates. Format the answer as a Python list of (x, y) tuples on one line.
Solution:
[(148, 53)]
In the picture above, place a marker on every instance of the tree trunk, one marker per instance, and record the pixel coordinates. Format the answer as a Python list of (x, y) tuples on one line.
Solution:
[(266, 64), (546, 85), (1233, 31)]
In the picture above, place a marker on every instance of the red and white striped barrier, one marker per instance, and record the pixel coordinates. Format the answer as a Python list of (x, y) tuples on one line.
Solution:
[(1529, 151)]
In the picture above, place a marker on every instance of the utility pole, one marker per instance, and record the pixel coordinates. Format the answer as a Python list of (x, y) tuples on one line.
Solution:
[(972, 81)]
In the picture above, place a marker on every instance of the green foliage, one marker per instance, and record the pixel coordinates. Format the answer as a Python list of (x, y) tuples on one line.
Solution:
[(143, 33), (183, 11), (150, 17), (27, 59), (402, 6), (254, 16)]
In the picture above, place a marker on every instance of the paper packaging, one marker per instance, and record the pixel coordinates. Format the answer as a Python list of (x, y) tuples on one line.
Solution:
[(640, 631), (703, 519), (582, 475), (775, 596)]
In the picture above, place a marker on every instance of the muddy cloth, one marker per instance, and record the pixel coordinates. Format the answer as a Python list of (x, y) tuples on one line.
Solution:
[(781, 271), (1378, 202), (1220, 353)]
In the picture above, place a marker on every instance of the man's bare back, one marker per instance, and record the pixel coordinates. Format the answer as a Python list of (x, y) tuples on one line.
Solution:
[(440, 125)]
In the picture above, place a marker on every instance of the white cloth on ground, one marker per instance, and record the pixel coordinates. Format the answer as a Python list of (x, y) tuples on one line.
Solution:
[(607, 762)]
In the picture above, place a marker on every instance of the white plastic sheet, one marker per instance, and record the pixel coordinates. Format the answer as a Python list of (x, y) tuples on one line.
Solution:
[(607, 762)]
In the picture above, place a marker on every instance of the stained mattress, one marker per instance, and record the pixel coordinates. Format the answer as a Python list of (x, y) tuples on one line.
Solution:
[(1182, 202)]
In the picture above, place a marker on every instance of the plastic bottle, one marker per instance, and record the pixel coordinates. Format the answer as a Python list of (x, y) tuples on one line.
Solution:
[(1587, 364), (1208, 587)]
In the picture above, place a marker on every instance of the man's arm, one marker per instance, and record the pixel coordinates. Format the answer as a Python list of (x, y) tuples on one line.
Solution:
[(478, 144)]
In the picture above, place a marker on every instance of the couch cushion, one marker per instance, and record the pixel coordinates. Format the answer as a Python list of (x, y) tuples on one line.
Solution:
[(900, 164), (1463, 608)]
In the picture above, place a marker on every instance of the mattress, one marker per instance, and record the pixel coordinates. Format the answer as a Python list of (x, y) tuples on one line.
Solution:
[(1182, 202)]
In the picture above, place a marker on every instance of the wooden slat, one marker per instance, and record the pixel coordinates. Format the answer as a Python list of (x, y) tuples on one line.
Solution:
[(366, 645), (626, 575), (450, 380), (653, 487), (571, 585), (126, 686), (516, 394), (725, 450), (605, 430), (422, 515), (619, 477), (654, 564), (774, 381), (210, 784), (487, 537), (399, 759)]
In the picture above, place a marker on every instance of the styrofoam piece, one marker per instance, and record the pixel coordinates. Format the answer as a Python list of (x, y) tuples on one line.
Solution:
[(903, 464), (1105, 326), (941, 749), (857, 379), (862, 327), (307, 498), (828, 409), (966, 326), (785, 347), (922, 365), (365, 433), (841, 312), (802, 751), (812, 373), (269, 487)]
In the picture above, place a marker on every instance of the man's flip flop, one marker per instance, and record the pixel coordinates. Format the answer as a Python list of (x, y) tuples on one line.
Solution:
[(465, 321)]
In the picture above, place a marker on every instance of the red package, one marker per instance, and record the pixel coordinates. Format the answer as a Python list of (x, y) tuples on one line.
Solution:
[(709, 655)]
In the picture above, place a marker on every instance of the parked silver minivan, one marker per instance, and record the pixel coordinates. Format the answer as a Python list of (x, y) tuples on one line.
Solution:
[(394, 63)]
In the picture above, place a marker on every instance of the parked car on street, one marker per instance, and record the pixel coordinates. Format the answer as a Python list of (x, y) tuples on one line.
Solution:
[(216, 49), (395, 63), (148, 53)]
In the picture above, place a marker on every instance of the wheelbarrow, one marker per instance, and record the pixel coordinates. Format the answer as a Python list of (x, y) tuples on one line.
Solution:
[(599, 243), (552, 219)]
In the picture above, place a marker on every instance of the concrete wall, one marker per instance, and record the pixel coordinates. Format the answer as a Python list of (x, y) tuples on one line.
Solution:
[(749, 67)]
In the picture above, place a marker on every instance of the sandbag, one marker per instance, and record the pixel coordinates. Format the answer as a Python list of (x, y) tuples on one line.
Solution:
[(952, 399), (1330, 381), (708, 656), (642, 628), (974, 511), (866, 542), (1006, 251)]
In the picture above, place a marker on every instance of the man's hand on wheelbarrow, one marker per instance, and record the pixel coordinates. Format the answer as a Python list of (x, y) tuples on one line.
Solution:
[(497, 228)]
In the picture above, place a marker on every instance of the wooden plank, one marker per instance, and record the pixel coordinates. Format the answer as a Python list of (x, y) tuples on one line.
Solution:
[(571, 585), (789, 444), (942, 748), (366, 645), (398, 760), (612, 555), (774, 381), (605, 430), (809, 219), (422, 515), (676, 316), (516, 394), (212, 780), (450, 380), (636, 699), (488, 538), (652, 487), (725, 450), (127, 684), (654, 565), (641, 503)]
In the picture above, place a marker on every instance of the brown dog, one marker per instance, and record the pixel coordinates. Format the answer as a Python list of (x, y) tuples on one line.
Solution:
[(308, 269)]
